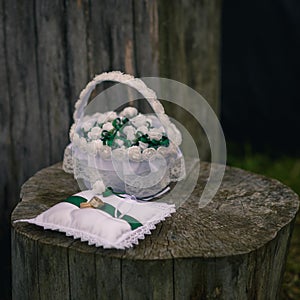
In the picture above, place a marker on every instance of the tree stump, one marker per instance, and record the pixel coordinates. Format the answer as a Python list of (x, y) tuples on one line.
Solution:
[(234, 248)]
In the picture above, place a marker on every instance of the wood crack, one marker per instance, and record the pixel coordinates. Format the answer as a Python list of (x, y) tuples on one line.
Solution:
[(134, 42), (12, 159), (67, 60), (44, 124)]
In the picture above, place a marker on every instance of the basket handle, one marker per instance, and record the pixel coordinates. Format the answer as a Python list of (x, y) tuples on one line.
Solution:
[(116, 76)]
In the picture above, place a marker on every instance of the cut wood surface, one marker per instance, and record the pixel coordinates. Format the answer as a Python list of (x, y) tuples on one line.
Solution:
[(234, 248)]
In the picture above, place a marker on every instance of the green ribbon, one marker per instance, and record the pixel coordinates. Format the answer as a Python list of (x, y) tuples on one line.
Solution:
[(76, 200), (108, 137), (118, 123), (144, 138), (109, 191), (109, 209)]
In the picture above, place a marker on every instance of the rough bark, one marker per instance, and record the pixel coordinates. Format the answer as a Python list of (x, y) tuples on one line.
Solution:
[(234, 248)]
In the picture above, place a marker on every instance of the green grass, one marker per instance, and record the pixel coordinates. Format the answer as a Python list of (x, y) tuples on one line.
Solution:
[(284, 168), (287, 170)]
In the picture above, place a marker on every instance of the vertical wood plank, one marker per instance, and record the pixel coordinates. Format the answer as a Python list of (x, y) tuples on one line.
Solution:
[(150, 280), (53, 267), (25, 260), (189, 44), (77, 20), (5, 111), (20, 147), (27, 118), (6, 177), (146, 39), (269, 262), (53, 79), (108, 274), (99, 41), (219, 278), (111, 40), (189, 35), (82, 271), (146, 43), (232, 277)]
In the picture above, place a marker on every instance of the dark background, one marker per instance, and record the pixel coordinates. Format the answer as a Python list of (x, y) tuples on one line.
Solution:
[(260, 101), (261, 74)]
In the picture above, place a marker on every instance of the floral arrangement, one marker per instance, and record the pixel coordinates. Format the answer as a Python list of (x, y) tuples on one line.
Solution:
[(100, 140), (129, 131)]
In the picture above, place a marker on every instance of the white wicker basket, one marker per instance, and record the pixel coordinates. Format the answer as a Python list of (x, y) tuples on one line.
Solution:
[(141, 169)]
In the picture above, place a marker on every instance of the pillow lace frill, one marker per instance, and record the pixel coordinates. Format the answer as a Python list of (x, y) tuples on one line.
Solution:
[(127, 240)]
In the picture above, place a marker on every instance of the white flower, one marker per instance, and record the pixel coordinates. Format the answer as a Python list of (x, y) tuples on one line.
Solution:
[(101, 119), (105, 152), (148, 153), (130, 132), (98, 187), (143, 129), (108, 126), (131, 136), (87, 125), (119, 142), (139, 120), (134, 153), (95, 133), (162, 151), (129, 112), (98, 144), (156, 133), (111, 115), (143, 145), (94, 146), (128, 129)]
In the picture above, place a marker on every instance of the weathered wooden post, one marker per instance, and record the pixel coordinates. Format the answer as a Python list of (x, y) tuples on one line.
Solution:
[(189, 43), (52, 48), (235, 248)]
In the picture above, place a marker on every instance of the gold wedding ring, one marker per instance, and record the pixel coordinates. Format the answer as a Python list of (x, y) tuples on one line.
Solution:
[(95, 202), (85, 205)]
